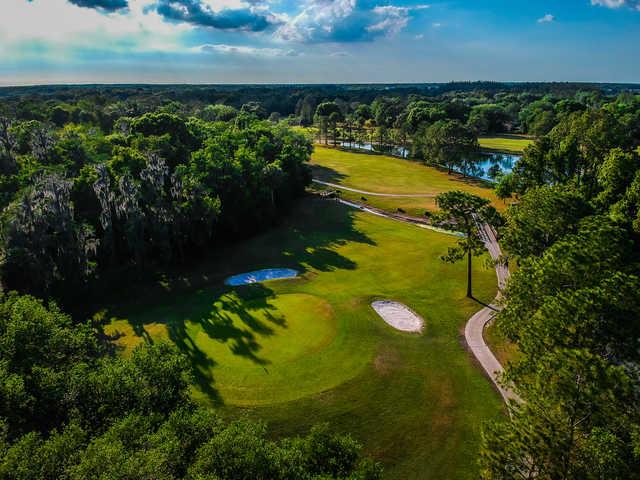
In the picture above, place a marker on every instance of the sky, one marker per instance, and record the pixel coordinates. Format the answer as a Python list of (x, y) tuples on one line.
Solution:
[(317, 41)]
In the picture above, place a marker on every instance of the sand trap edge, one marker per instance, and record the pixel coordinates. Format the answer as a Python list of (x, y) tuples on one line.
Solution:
[(399, 316)]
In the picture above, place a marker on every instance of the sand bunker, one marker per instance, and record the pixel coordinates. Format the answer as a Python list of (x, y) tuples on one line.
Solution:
[(261, 276), (399, 316)]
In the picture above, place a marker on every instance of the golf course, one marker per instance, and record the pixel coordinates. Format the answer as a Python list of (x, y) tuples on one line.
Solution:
[(311, 349), (389, 177), (505, 143)]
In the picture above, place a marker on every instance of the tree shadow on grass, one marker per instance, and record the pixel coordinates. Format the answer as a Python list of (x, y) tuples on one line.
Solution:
[(326, 174), (238, 317), (201, 363)]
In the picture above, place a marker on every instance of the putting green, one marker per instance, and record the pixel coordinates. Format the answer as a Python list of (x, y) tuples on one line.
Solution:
[(260, 345)]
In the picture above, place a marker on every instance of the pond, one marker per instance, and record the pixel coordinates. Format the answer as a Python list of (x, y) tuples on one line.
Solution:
[(489, 162), (492, 163), (395, 151), (261, 276)]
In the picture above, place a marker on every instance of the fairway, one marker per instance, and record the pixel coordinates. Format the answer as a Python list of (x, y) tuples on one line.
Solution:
[(300, 351), (385, 174), (505, 143)]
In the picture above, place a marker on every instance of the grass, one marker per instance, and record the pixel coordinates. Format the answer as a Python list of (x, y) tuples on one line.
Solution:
[(307, 350), (504, 350), (385, 174), (505, 143)]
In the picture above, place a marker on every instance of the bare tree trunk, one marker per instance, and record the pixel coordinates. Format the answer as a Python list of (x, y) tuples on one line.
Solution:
[(469, 292)]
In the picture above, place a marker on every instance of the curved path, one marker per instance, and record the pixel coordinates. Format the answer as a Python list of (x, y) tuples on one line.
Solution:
[(474, 329), (374, 194)]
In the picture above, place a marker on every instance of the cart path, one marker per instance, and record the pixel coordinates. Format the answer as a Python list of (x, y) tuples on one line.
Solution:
[(374, 194)]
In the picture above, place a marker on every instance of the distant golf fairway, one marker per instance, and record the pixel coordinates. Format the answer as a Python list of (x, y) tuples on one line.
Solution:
[(390, 175), (311, 349)]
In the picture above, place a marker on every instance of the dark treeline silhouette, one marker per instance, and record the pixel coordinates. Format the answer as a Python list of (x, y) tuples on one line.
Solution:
[(79, 201)]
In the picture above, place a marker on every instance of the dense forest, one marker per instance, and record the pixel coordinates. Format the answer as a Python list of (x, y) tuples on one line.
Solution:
[(100, 182), (573, 305)]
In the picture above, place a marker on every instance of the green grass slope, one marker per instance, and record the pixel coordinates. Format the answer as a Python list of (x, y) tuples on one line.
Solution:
[(385, 174), (307, 350), (505, 143)]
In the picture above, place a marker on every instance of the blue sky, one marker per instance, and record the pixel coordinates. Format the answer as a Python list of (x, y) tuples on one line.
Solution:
[(318, 41)]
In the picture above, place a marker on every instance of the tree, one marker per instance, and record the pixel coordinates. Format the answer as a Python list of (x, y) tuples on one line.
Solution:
[(45, 249), (218, 113), (449, 143), (467, 212), (334, 119), (488, 118), (323, 114), (542, 216), (7, 145), (578, 421)]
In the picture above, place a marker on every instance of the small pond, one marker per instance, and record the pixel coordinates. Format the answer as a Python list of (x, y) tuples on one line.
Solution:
[(493, 163), (488, 164), (258, 276)]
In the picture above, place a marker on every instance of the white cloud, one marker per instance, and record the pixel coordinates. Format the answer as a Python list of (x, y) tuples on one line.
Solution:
[(246, 50), (420, 36), (344, 21), (548, 18), (317, 18), (632, 4), (393, 19), (58, 28)]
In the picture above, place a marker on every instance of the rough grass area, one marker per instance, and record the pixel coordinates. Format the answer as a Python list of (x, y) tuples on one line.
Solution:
[(505, 143), (307, 350), (385, 174), (504, 350)]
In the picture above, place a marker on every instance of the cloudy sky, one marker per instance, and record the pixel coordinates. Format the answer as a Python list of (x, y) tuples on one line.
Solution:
[(317, 41)]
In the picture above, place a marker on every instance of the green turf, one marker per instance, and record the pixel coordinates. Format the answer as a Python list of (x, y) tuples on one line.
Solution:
[(301, 351), (505, 143), (384, 174)]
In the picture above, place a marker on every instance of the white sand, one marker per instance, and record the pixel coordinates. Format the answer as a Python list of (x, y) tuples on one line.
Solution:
[(399, 316)]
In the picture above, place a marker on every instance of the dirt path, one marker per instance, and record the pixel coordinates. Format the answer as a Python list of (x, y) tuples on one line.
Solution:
[(475, 326), (373, 194)]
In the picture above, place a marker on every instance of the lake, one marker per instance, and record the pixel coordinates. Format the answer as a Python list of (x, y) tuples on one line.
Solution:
[(504, 161)]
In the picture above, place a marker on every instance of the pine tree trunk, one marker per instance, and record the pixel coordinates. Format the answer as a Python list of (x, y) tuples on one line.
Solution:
[(469, 292)]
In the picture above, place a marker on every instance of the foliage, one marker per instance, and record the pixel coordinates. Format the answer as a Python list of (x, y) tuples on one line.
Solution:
[(158, 189), (573, 305), (450, 144), (468, 213), (68, 411)]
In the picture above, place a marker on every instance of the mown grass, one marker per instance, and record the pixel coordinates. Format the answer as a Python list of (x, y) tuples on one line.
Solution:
[(505, 143), (385, 174), (308, 350)]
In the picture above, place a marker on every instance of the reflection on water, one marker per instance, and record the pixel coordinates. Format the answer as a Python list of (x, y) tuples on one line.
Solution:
[(395, 151), (492, 165), (488, 167)]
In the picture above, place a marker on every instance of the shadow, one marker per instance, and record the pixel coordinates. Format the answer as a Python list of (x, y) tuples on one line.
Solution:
[(326, 174), (201, 363), (486, 305), (192, 300)]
